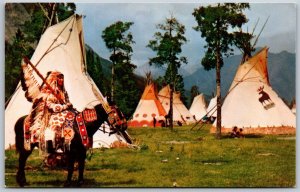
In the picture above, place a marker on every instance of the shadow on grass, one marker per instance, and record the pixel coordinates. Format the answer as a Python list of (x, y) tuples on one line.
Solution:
[(246, 136), (88, 183), (46, 184)]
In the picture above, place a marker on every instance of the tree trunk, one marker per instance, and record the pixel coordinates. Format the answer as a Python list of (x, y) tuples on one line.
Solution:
[(218, 90), (171, 106), (113, 78)]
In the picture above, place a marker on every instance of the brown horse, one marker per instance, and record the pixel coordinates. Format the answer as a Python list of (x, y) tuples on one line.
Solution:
[(76, 152)]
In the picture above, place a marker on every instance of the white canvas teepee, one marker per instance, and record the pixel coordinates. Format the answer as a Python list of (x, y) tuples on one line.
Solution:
[(247, 107), (102, 138), (149, 107), (198, 107), (60, 48), (212, 108), (180, 112)]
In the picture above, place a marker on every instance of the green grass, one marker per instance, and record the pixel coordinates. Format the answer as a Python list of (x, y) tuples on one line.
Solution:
[(189, 158)]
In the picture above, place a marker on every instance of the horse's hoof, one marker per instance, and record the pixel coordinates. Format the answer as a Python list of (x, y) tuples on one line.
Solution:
[(22, 181), (80, 183), (23, 184), (67, 184)]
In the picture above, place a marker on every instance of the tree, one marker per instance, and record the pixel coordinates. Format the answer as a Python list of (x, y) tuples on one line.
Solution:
[(242, 40), (167, 45), (118, 40), (95, 70), (124, 91), (13, 54), (215, 24)]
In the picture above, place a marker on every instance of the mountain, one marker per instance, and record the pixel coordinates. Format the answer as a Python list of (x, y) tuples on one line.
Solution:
[(281, 68), (158, 71), (13, 20)]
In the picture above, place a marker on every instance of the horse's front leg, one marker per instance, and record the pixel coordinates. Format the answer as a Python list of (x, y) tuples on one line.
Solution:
[(70, 163), (81, 165), (23, 155)]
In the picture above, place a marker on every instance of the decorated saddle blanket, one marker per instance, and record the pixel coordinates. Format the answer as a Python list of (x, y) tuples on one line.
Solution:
[(60, 126)]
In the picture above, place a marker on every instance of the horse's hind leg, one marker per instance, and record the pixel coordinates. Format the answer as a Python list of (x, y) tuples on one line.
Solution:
[(23, 155)]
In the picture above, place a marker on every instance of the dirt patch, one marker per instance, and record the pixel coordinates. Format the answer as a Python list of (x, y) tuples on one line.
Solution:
[(266, 154), (176, 142)]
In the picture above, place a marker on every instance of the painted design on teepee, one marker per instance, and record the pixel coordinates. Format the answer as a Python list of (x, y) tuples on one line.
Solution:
[(264, 99)]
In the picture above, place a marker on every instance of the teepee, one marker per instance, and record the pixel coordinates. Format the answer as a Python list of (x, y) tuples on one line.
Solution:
[(212, 108), (198, 107), (60, 48), (102, 138), (180, 112), (149, 107), (252, 104)]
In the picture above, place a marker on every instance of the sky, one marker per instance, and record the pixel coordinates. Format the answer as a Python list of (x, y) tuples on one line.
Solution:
[(279, 33)]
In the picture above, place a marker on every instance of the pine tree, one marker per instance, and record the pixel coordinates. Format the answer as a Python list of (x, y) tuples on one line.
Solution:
[(124, 91), (215, 24), (167, 45)]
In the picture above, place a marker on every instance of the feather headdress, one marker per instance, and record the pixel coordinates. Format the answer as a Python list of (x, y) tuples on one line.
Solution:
[(29, 84)]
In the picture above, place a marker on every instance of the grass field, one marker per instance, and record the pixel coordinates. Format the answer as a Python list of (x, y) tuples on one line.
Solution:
[(180, 157)]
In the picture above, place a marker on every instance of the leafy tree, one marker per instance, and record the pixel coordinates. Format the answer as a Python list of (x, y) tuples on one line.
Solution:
[(95, 70), (124, 91), (118, 40), (216, 24), (13, 55), (242, 41), (167, 45)]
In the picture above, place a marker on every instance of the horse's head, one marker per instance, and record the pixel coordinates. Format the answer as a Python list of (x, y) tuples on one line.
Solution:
[(101, 114), (117, 120)]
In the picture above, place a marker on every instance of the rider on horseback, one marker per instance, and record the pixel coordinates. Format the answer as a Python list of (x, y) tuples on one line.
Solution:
[(49, 108)]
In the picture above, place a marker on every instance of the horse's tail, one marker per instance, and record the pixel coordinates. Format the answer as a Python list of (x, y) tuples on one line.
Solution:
[(19, 131)]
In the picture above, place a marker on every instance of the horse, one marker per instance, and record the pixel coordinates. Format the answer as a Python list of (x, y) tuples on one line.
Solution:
[(77, 150)]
